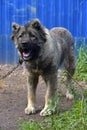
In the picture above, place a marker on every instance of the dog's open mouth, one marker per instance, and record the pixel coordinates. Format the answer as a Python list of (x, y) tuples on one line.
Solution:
[(29, 51), (26, 54)]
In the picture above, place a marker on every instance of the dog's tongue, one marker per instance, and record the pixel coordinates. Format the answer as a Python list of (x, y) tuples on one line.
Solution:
[(26, 54)]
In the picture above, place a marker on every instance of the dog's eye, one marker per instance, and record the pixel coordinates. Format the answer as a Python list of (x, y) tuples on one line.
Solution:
[(33, 38), (21, 34)]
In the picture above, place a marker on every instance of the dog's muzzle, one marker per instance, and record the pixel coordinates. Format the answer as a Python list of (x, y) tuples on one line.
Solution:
[(29, 51), (25, 50)]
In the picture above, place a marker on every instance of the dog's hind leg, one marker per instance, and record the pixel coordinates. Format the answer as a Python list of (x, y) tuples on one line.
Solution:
[(69, 64)]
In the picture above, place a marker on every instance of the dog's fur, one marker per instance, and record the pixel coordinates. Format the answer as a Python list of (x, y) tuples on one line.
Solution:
[(43, 51)]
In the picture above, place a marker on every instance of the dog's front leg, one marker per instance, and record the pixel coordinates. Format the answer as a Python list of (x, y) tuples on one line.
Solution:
[(51, 95), (32, 81)]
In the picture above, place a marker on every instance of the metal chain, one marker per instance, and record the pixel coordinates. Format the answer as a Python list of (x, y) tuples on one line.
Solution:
[(11, 71)]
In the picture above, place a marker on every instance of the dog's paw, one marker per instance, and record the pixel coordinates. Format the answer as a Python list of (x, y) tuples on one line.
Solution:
[(46, 112), (30, 110), (69, 96)]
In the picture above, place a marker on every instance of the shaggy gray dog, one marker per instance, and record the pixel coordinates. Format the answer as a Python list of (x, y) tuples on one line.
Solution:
[(43, 51)]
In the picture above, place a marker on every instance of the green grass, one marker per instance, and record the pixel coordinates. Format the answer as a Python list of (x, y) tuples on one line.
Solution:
[(30, 125), (76, 117), (81, 65), (73, 119)]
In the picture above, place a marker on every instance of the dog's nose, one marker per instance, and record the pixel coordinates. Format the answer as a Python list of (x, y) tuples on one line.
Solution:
[(23, 42)]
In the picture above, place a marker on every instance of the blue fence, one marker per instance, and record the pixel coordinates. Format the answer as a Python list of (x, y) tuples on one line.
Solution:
[(71, 14)]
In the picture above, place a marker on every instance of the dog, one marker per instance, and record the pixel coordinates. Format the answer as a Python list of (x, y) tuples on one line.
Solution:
[(43, 51)]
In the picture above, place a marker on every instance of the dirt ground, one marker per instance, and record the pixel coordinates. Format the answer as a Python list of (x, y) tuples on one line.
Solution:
[(13, 98)]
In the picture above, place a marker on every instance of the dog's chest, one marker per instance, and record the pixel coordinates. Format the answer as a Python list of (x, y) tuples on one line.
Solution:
[(34, 67), (38, 67)]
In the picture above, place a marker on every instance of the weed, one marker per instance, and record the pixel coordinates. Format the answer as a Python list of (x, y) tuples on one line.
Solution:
[(81, 65)]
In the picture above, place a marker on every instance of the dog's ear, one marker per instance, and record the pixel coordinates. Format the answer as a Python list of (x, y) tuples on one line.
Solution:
[(15, 26), (36, 24)]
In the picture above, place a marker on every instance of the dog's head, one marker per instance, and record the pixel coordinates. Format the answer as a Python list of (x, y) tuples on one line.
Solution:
[(29, 39)]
